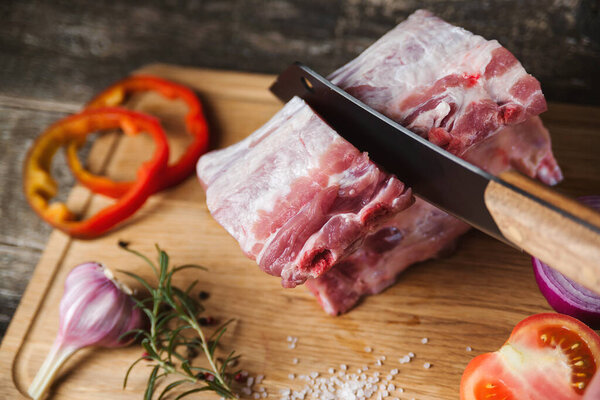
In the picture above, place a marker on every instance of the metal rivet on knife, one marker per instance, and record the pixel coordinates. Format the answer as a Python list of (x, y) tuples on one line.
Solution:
[(307, 84)]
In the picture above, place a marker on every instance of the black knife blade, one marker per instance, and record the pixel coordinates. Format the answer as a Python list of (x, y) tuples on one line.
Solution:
[(434, 174)]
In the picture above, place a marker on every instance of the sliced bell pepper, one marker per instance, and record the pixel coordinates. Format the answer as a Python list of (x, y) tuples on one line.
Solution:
[(40, 187), (175, 173)]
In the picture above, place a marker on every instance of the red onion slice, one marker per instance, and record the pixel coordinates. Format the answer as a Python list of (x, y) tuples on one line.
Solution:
[(564, 295)]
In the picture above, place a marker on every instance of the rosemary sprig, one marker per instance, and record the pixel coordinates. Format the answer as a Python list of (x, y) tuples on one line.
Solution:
[(171, 313)]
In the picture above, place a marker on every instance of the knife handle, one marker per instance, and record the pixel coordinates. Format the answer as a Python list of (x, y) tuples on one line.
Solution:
[(558, 240)]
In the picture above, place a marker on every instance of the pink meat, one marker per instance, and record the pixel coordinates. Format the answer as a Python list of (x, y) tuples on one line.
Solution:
[(443, 82), (296, 196), (464, 93), (423, 231)]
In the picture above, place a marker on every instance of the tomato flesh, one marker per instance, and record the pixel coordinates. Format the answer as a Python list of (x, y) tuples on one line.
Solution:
[(493, 389), (547, 356), (579, 354)]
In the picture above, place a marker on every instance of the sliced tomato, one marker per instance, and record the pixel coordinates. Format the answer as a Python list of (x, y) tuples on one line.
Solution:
[(547, 356)]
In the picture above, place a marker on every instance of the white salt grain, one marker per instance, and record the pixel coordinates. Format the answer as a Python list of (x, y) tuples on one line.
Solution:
[(331, 371), (246, 391), (469, 348), (343, 367), (424, 340), (256, 395), (259, 379), (391, 387), (411, 354), (295, 361), (291, 376), (427, 365), (394, 371), (368, 349)]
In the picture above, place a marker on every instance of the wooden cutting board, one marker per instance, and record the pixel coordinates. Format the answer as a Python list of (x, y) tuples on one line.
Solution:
[(472, 298)]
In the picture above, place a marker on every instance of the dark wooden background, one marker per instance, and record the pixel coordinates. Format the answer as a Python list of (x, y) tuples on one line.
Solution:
[(54, 55)]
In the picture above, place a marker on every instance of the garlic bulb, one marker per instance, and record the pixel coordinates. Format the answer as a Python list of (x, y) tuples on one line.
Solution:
[(95, 310)]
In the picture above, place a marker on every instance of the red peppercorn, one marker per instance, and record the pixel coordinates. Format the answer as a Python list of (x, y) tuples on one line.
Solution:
[(239, 377)]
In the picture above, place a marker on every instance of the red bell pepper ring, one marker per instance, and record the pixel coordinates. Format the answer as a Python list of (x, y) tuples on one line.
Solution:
[(175, 173), (40, 187)]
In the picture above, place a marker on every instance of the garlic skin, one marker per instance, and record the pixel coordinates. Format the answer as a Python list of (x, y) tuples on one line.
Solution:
[(95, 310)]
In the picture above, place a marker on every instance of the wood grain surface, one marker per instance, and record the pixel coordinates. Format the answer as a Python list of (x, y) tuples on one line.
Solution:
[(55, 55), (566, 236), (472, 298)]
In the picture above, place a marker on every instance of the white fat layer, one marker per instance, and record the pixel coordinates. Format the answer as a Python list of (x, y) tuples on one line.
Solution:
[(419, 51), (261, 168), (432, 117)]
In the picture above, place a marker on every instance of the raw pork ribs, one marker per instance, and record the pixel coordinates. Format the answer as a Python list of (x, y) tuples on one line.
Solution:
[(308, 206), (297, 196)]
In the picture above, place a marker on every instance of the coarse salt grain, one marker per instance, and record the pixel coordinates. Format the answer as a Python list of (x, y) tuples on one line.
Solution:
[(295, 361), (331, 371), (411, 354), (246, 391), (249, 381), (343, 367), (427, 365), (259, 379), (256, 395), (291, 376), (424, 340), (469, 348), (368, 349), (394, 371)]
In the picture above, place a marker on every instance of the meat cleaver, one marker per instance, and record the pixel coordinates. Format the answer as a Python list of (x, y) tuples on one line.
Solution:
[(510, 207)]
